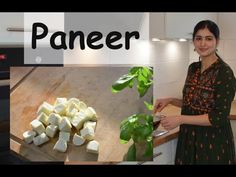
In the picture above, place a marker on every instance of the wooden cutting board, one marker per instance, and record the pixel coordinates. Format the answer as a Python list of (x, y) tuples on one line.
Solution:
[(17, 75), (91, 85)]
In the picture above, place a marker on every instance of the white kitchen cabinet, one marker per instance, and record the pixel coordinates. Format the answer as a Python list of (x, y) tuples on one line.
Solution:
[(176, 25), (16, 28), (181, 25), (157, 25), (11, 20), (227, 25), (166, 153)]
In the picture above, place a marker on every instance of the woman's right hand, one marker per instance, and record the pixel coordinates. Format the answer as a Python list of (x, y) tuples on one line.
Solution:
[(161, 104)]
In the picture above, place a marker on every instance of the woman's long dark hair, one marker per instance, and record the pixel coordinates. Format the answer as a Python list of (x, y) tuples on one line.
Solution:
[(210, 25)]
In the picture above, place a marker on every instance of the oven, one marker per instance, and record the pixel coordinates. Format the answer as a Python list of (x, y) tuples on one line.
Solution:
[(4, 93), (9, 56)]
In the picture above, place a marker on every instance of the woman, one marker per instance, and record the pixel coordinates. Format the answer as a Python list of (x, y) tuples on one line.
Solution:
[(205, 135)]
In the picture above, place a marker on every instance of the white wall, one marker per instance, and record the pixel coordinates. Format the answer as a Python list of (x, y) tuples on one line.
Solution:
[(171, 60)]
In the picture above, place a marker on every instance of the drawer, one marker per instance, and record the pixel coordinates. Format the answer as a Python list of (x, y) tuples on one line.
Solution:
[(165, 153)]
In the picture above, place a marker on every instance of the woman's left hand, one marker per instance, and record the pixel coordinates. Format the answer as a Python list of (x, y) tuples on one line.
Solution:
[(170, 122)]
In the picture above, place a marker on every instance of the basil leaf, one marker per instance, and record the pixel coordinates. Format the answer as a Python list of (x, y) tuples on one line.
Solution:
[(122, 82)]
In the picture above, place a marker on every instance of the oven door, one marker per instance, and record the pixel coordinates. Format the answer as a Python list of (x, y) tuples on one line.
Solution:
[(4, 93)]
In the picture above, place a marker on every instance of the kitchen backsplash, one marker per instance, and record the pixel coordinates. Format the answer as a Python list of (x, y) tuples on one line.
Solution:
[(171, 63), (171, 60)]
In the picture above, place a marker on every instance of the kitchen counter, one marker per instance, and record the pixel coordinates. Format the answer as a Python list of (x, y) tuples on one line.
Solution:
[(172, 134), (30, 86)]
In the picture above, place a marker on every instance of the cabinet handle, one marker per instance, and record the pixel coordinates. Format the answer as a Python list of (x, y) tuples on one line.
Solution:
[(156, 155), (15, 29)]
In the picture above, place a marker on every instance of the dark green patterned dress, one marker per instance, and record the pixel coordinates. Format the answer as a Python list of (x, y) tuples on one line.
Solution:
[(212, 93)]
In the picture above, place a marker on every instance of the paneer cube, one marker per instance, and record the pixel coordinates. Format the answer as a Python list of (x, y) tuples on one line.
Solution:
[(92, 147), (61, 145), (46, 108), (37, 126), (65, 136), (91, 114), (82, 106), (60, 100), (60, 108), (43, 118), (65, 125), (28, 136), (54, 119), (90, 123), (87, 133), (78, 120), (71, 110), (40, 139), (71, 113), (51, 130), (78, 140), (76, 101)]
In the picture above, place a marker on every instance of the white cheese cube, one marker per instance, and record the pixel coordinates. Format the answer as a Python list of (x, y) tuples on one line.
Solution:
[(78, 140), (68, 118), (76, 101), (82, 106), (61, 145), (37, 126), (72, 113), (65, 125), (90, 123), (78, 120), (43, 118), (91, 114), (87, 133), (60, 108), (92, 147), (65, 136), (40, 139), (54, 119), (71, 110), (46, 108), (51, 130), (60, 100), (28, 136)]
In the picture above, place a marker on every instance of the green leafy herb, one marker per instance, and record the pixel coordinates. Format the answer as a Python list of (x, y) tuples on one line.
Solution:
[(137, 127), (148, 106), (141, 75)]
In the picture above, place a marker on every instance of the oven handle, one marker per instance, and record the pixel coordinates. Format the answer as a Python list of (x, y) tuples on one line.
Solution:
[(4, 82)]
